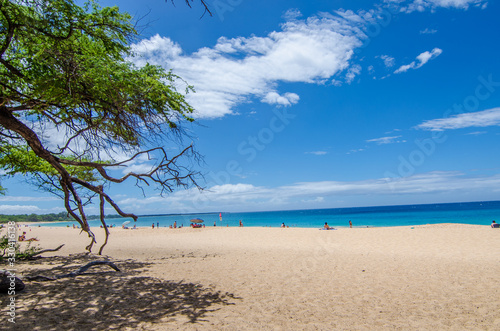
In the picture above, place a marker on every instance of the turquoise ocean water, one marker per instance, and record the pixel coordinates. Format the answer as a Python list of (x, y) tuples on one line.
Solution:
[(467, 212)]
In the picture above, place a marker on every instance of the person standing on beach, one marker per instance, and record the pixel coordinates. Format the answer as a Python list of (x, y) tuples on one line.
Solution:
[(350, 224), (157, 225), (153, 226), (241, 224), (175, 224)]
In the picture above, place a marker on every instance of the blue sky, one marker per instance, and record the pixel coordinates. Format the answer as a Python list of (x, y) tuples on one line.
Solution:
[(323, 104)]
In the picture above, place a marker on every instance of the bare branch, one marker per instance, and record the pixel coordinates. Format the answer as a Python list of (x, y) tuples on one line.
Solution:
[(47, 250), (101, 209)]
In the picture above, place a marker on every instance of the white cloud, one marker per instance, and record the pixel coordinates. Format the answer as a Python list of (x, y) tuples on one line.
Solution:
[(352, 72), (9, 198), (311, 50), (138, 168), (386, 140), (352, 151), (476, 133), (144, 201), (317, 153), (422, 59), (158, 48), (250, 197), (489, 117), (428, 31), (462, 4), (286, 99), (405, 67), (388, 60), (417, 184), (421, 5), (19, 209), (292, 14)]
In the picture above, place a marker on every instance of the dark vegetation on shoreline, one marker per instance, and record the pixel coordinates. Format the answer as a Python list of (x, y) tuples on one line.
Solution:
[(63, 217)]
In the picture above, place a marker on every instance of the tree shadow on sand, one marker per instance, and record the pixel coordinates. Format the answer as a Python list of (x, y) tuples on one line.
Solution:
[(103, 299)]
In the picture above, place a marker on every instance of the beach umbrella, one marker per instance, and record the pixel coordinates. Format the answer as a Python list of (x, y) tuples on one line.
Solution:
[(197, 220), (125, 223)]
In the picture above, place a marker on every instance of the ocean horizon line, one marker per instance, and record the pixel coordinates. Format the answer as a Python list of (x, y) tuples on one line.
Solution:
[(471, 212), (313, 209)]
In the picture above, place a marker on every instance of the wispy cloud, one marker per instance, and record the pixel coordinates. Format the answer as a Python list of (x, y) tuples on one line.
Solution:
[(489, 117), (268, 198), (28, 209), (428, 31), (389, 61), (26, 199), (317, 153), (352, 151), (352, 72), (476, 133), (292, 14), (19, 209), (422, 5), (387, 140), (422, 59)]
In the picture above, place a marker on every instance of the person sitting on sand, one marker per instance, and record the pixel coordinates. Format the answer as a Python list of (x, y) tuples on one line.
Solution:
[(23, 238), (495, 225), (326, 226)]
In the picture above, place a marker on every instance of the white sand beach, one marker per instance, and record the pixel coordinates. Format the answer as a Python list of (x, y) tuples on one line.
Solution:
[(441, 277)]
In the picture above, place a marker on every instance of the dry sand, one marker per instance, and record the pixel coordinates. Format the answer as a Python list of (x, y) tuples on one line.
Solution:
[(434, 277)]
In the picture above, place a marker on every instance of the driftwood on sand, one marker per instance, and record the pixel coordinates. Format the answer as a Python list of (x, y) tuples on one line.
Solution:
[(46, 250)]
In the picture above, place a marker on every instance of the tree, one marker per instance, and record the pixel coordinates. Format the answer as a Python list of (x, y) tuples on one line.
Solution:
[(65, 74)]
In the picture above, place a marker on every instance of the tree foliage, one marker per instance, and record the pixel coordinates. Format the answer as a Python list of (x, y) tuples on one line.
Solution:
[(71, 102), (61, 217)]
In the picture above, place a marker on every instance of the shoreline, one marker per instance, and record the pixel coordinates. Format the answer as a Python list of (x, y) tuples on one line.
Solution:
[(46, 225)]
